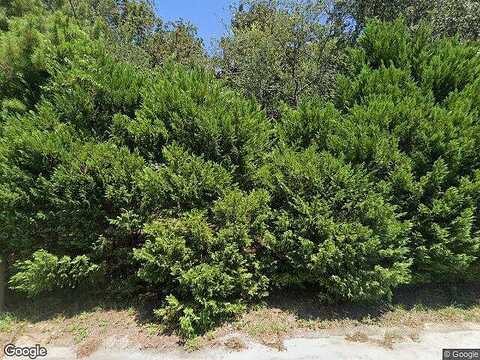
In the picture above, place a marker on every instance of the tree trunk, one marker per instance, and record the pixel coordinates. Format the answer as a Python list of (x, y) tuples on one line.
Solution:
[(2, 283)]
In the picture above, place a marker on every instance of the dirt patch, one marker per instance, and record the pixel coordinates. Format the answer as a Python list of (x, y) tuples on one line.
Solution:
[(235, 343), (87, 326), (88, 347), (357, 336), (268, 326), (88, 331)]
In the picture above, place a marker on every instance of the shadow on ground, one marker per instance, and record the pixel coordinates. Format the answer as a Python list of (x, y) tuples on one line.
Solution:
[(305, 305), (308, 306), (74, 303)]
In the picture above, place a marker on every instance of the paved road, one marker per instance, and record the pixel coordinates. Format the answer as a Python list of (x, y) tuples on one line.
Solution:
[(429, 346)]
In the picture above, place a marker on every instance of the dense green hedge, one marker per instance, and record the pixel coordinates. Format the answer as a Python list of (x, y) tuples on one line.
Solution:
[(166, 181)]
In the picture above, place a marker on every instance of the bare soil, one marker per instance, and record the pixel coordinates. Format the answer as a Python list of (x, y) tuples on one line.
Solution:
[(85, 326)]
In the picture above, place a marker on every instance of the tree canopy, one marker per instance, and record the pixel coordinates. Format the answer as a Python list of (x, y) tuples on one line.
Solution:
[(279, 52)]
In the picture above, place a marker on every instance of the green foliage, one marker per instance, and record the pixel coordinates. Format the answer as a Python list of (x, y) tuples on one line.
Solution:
[(278, 52), (132, 29), (21, 69), (137, 35), (184, 182), (410, 121), (99, 88), (456, 17), (51, 180), (46, 272), (446, 17), (450, 67), (166, 181), (177, 103), (102, 152), (333, 228), (208, 267)]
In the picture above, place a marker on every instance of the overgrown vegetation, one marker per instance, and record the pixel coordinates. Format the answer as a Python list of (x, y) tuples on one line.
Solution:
[(159, 178)]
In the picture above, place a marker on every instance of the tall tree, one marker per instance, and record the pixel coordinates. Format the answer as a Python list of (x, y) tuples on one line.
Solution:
[(452, 17), (279, 51), (132, 28), (177, 41), (139, 34), (447, 17)]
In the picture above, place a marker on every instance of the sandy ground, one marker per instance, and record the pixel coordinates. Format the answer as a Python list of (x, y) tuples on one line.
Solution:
[(428, 346)]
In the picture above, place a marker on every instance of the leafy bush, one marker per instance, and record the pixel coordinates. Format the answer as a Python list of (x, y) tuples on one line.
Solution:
[(333, 229), (209, 271), (47, 272), (186, 181), (415, 129), (192, 109)]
